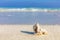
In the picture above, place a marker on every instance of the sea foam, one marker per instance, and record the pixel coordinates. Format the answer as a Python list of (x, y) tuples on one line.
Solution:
[(29, 10)]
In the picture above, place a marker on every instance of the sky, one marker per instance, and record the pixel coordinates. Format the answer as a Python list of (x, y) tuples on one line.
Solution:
[(30, 3)]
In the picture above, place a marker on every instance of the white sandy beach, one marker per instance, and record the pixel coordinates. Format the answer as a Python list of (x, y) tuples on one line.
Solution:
[(25, 32)]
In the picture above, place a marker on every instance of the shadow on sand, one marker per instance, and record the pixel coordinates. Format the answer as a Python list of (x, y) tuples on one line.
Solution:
[(27, 32)]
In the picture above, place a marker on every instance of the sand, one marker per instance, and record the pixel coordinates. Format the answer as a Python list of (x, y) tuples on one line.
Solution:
[(25, 32)]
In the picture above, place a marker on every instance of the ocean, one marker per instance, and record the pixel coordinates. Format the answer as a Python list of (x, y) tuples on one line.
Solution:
[(10, 12), (29, 18)]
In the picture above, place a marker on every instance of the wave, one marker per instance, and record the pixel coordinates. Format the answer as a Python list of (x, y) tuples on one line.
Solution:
[(29, 10)]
